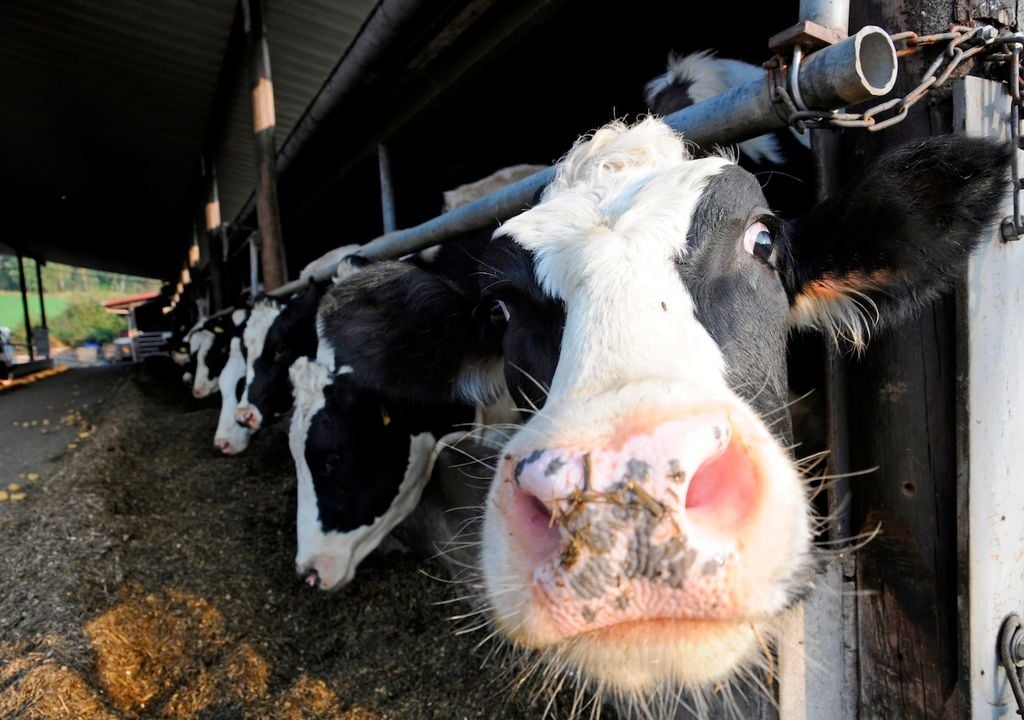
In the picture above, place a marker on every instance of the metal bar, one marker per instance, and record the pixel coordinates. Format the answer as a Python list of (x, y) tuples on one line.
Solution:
[(387, 190), (254, 263), (833, 14), (24, 307), (39, 288), (264, 124), (861, 67)]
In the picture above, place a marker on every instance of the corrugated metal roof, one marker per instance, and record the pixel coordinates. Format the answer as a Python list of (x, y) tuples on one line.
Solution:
[(306, 38), (103, 112), (105, 108)]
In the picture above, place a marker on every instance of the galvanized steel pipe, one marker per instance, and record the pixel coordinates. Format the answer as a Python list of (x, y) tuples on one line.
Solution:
[(832, 14), (858, 68)]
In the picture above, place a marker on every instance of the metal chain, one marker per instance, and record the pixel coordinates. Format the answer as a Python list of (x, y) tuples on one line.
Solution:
[(963, 43)]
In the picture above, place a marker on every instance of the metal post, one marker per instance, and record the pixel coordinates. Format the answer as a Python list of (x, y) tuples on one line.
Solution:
[(24, 307), (387, 190), (43, 336), (254, 263), (263, 125), (831, 14), (39, 287)]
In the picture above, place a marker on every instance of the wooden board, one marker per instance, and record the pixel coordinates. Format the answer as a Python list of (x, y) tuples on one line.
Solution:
[(991, 442)]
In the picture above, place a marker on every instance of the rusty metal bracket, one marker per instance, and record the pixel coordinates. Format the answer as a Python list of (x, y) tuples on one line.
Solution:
[(1011, 655), (806, 33)]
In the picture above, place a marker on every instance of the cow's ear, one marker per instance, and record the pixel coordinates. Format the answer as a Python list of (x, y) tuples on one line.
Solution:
[(896, 237)]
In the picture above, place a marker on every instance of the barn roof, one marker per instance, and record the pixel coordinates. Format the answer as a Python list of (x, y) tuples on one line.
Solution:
[(108, 106)]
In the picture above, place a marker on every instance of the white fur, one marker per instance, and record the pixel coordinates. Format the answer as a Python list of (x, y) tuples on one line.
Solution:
[(336, 555), (328, 259), (605, 240), (710, 76), (199, 345), (263, 315), (231, 438)]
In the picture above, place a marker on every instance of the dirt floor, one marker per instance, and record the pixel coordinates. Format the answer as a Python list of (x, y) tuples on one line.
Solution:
[(144, 576)]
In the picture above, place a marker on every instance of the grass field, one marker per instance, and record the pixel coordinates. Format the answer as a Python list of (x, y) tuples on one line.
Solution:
[(11, 313)]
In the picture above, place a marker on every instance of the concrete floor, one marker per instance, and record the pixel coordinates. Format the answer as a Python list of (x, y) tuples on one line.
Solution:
[(41, 422)]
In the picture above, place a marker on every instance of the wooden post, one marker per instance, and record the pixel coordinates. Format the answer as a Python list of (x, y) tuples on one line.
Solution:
[(263, 126), (902, 420), (24, 307), (214, 233), (387, 190), (41, 337)]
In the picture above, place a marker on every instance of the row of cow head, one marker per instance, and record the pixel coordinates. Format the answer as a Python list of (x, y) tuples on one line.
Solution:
[(645, 522)]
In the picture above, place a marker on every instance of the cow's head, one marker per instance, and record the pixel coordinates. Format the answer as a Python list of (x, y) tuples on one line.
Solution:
[(230, 437), (361, 461), (211, 345), (648, 523), (263, 373)]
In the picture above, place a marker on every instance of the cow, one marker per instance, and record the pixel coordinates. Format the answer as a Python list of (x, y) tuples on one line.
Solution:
[(646, 524), (361, 459), (277, 334), (231, 438), (211, 345), (700, 76)]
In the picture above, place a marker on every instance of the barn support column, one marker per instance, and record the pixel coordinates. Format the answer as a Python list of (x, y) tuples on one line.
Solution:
[(908, 656), (387, 190), (43, 334), (214, 234), (24, 307), (264, 124)]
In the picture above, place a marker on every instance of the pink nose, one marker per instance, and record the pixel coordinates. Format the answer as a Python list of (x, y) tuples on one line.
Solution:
[(652, 524), (224, 446), (245, 416), (199, 393)]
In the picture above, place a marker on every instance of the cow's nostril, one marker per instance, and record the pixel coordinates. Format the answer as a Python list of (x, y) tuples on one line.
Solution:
[(312, 578), (722, 491), (535, 525)]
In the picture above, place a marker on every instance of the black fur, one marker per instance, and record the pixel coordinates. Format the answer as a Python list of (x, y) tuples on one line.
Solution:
[(357, 450), (292, 335), (911, 218)]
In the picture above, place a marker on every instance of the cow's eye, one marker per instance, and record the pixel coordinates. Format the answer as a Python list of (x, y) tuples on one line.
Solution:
[(499, 313), (758, 241)]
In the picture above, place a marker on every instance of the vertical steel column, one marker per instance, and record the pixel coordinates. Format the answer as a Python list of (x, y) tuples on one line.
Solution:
[(254, 263), (24, 307), (831, 14), (39, 287), (387, 190), (42, 336), (263, 126)]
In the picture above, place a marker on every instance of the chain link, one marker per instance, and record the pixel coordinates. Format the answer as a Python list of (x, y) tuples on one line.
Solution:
[(962, 43)]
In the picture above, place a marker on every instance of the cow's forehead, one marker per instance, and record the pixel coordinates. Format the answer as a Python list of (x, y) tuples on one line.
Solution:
[(633, 204)]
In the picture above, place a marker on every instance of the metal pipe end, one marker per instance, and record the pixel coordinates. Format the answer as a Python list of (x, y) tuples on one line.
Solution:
[(875, 60)]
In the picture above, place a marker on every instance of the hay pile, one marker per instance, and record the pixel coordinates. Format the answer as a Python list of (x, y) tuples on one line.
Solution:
[(149, 577)]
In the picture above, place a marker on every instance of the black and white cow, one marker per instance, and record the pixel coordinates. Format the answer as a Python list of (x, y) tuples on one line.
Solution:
[(700, 76), (361, 457), (211, 346), (646, 525), (231, 438), (278, 333)]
